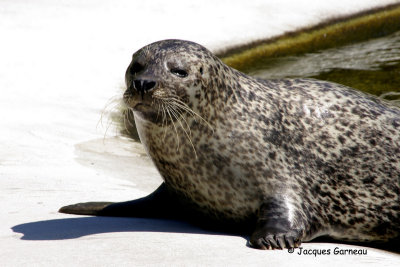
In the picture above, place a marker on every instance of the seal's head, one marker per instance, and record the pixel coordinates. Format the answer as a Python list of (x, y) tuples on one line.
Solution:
[(165, 73)]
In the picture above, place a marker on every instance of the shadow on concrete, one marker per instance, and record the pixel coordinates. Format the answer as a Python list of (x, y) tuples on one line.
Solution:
[(71, 228)]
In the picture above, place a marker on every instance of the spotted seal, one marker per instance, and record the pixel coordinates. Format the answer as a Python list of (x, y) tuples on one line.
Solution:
[(287, 160)]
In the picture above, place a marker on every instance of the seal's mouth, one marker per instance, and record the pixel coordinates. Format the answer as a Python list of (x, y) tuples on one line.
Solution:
[(136, 103), (134, 98), (142, 107), (141, 104)]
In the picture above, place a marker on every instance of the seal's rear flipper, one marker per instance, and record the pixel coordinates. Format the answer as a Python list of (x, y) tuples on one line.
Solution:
[(87, 208), (159, 204)]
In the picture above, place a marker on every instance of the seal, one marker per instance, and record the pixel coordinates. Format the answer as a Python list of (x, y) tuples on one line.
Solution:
[(286, 160)]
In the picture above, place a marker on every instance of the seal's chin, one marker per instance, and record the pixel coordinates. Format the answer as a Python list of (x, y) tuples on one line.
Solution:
[(141, 107), (144, 110)]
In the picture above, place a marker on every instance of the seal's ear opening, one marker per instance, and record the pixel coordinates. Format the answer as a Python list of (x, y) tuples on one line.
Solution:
[(201, 70)]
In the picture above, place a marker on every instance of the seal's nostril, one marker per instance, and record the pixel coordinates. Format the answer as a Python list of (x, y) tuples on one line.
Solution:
[(137, 85), (143, 85), (149, 85)]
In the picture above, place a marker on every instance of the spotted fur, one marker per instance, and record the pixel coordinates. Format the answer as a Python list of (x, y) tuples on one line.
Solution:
[(300, 157), (330, 153)]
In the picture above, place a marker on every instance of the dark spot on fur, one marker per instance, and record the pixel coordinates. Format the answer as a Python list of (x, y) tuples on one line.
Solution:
[(272, 155), (341, 139), (395, 123), (252, 96), (372, 142), (368, 180)]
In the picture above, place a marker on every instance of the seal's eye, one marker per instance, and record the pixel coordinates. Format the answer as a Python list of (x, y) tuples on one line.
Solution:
[(179, 72), (135, 68)]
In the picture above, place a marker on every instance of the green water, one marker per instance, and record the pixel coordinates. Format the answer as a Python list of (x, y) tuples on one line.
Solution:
[(372, 66)]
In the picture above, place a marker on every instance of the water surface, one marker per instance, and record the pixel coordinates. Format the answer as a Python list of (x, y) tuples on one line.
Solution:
[(372, 66)]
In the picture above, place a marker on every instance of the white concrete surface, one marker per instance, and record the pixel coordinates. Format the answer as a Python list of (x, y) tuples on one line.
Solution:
[(60, 63)]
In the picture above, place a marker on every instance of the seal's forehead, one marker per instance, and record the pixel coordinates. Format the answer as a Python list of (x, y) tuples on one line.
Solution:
[(176, 46)]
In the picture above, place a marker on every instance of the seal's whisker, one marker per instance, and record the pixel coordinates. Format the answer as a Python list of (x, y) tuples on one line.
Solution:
[(109, 119), (185, 107), (196, 115), (109, 123), (126, 118), (176, 131), (164, 120), (110, 106), (180, 115), (173, 112), (158, 105), (127, 121)]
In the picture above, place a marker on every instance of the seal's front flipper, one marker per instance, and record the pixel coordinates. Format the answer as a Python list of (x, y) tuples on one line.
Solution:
[(274, 228), (159, 204)]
